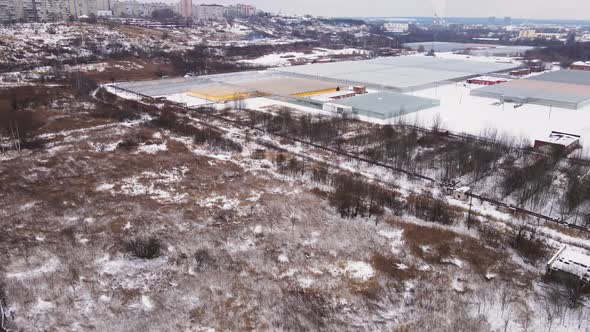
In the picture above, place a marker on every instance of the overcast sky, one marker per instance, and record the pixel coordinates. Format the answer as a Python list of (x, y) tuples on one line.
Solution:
[(562, 9)]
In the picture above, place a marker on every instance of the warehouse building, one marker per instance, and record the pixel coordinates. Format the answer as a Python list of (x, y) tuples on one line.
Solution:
[(289, 86), (568, 262), (380, 105), (581, 65), (400, 74), (219, 92), (226, 87), (558, 141), (565, 89), (473, 49)]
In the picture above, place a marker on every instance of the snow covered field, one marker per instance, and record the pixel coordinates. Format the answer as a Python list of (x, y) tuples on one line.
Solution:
[(282, 59), (460, 112)]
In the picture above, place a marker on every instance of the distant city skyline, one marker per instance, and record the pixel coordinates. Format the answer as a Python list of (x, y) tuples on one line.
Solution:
[(532, 9)]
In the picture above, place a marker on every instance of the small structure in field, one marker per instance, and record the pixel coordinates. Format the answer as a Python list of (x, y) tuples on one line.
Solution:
[(462, 193), (520, 72), (326, 97), (581, 65), (559, 141), (567, 262), (359, 89), (486, 80)]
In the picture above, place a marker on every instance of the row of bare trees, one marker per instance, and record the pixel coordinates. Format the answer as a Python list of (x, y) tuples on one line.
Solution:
[(317, 129), (169, 120)]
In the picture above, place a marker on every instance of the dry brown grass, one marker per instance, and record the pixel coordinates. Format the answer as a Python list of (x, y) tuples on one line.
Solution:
[(568, 231), (447, 244), (389, 267), (139, 32), (150, 70), (72, 123)]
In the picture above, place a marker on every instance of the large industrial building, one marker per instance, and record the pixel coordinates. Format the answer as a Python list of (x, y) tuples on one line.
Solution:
[(224, 87), (564, 88), (474, 49), (400, 74), (380, 105)]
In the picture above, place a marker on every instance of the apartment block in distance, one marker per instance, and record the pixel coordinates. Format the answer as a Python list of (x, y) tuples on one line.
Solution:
[(208, 12)]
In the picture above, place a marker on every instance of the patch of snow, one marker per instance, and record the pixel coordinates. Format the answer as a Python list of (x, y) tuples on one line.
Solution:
[(147, 303), (454, 261), (396, 239), (50, 266), (152, 148), (240, 246), (220, 201), (359, 270), (105, 187), (305, 282), (43, 306), (283, 258)]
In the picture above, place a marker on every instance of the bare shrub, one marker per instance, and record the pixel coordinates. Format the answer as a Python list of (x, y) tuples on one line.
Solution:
[(202, 259), (19, 124), (391, 268), (144, 248), (431, 209), (355, 197), (529, 245), (125, 112), (129, 143), (491, 236), (303, 311)]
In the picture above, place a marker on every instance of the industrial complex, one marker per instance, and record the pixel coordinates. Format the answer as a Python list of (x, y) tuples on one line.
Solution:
[(385, 88), (564, 88)]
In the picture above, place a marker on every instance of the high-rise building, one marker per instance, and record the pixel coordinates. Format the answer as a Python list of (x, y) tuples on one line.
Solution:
[(492, 20), (209, 12), (140, 9), (507, 20), (239, 10), (246, 10), (186, 8), (105, 4), (7, 10)]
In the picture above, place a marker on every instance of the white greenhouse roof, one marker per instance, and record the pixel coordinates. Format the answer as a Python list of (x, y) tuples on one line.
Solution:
[(399, 73), (564, 88), (387, 104)]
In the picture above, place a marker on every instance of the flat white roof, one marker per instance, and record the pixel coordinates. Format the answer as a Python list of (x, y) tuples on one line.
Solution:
[(571, 261), (464, 189), (491, 78), (562, 138), (401, 73)]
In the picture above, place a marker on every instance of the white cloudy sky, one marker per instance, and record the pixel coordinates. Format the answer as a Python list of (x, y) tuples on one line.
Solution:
[(564, 9)]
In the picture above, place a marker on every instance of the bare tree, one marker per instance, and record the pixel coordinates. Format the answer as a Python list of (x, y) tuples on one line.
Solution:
[(552, 305), (506, 298), (524, 315)]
